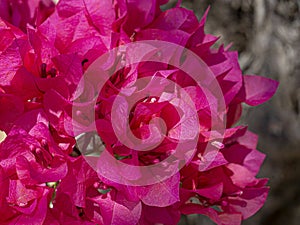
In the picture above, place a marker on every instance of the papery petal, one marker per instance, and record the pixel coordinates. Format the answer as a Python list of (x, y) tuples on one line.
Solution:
[(251, 159), (174, 36), (32, 173), (164, 215), (19, 13), (14, 107), (71, 71), (248, 140), (139, 14), (249, 202), (151, 195), (5, 210), (114, 213), (23, 85), (43, 48), (259, 89), (10, 62), (217, 217), (101, 19), (75, 183), (39, 215), (69, 8), (17, 143), (19, 194), (241, 177), (176, 19), (73, 28)]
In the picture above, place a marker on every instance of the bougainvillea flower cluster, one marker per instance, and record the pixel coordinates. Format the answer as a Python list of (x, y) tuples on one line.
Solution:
[(45, 49)]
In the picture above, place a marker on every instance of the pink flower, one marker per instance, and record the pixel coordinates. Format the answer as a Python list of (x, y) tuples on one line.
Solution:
[(90, 199), (29, 159), (46, 110), (21, 13)]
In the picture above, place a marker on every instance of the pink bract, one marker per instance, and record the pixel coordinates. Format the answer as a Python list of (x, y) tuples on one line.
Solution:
[(45, 51)]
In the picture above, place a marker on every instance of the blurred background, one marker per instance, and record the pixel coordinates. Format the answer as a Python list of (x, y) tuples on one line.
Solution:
[(266, 33)]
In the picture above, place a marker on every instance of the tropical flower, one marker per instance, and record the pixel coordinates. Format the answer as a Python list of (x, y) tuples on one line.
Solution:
[(46, 107)]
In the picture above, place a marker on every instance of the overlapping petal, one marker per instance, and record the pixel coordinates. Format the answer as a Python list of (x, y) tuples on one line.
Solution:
[(44, 178)]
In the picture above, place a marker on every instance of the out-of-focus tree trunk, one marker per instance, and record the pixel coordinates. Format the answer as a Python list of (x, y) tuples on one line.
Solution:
[(267, 35)]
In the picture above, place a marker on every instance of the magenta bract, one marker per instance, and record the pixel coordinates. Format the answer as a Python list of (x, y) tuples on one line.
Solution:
[(50, 172)]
